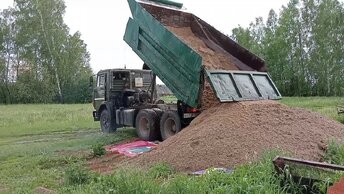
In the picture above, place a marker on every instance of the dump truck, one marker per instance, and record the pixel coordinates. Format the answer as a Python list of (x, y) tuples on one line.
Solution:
[(126, 97)]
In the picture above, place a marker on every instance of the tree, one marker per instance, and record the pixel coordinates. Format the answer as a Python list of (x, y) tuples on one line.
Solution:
[(303, 46), (7, 35), (327, 55), (76, 90), (47, 35), (37, 50), (273, 47)]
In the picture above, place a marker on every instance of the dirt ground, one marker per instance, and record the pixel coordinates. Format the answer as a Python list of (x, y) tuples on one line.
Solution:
[(110, 161), (107, 163)]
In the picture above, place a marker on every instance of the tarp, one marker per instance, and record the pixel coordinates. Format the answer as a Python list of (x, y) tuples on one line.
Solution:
[(132, 149), (337, 188)]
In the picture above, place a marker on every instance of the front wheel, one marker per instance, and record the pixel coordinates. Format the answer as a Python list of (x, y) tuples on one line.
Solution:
[(107, 122), (170, 124)]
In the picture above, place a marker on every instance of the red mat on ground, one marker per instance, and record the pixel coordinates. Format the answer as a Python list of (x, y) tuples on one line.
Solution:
[(132, 149), (337, 188)]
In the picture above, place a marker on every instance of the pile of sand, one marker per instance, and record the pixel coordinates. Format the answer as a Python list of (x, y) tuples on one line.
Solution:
[(230, 134), (236, 133), (211, 59)]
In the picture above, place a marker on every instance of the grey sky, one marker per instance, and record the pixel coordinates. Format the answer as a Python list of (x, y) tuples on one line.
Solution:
[(102, 24)]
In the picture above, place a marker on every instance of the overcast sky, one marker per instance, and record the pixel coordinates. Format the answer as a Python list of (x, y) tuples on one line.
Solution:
[(102, 24)]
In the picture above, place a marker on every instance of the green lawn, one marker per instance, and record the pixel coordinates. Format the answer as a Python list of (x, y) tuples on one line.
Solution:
[(324, 105), (40, 144), (19, 120)]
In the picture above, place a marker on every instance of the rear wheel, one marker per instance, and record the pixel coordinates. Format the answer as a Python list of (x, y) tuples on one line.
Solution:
[(107, 123), (147, 125), (170, 124)]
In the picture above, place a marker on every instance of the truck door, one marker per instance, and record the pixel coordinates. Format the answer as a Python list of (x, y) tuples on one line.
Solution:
[(99, 92)]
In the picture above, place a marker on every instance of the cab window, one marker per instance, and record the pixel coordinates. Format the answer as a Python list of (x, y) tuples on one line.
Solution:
[(101, 81)]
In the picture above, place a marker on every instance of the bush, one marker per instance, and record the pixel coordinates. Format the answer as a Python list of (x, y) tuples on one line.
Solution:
[(98, 150), (77, 175), (55, 162), (161, 170), (335, 153), (122, 181)]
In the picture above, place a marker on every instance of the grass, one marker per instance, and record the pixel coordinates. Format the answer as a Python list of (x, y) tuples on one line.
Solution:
[(324, 105), (20, 120), (259, 177), (169, 99), (98, 150), (43, 163), (48, 146), (335, 153), (39, 143)]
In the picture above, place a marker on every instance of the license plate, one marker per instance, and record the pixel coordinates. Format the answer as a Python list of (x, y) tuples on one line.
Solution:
[(190, 115)]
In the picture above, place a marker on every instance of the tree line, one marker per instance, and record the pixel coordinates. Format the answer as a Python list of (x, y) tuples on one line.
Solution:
[(303, 46), (40, 61)]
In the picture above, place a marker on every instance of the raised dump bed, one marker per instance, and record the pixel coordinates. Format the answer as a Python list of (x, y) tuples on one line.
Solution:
[(181, 49)]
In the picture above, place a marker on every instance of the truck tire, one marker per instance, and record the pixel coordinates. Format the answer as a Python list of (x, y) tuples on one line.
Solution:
[(146, 124), (170, 124), (107, 122)]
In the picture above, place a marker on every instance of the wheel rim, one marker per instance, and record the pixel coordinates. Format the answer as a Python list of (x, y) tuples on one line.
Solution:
[(144, 126), (170, 127)]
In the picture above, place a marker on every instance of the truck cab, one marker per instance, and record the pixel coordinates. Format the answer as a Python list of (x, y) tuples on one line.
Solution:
[(111, 84), (128, 97)]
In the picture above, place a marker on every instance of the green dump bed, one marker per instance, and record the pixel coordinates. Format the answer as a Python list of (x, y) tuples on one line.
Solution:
[(155, 33)]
